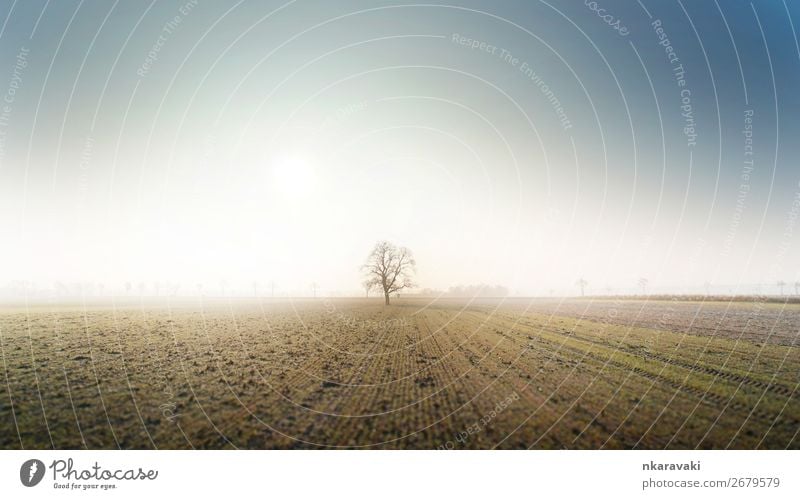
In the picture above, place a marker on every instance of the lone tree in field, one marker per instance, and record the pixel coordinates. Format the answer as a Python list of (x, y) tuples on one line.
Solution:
[(389, 268)]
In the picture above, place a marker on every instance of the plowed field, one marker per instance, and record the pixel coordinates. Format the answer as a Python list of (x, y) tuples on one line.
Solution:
[(417, 374)]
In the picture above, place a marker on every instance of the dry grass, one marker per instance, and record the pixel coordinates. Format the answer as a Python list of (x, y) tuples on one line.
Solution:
[(413, 375)]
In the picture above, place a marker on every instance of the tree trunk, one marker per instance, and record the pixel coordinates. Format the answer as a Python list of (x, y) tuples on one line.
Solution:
[(386, 297)]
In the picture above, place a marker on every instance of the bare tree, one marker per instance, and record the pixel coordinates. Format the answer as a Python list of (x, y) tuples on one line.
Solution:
[(582, 283), (389, 268), (781, 284), (368, 285), (314, 288), (797, 287)]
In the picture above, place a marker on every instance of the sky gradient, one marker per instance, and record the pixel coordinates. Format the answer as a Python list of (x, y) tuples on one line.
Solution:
[(521, 143)]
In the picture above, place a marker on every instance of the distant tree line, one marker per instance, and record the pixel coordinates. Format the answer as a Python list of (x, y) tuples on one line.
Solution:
[(473, 290)]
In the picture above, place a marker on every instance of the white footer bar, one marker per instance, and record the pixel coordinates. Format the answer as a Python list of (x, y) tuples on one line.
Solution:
[(389, 474)]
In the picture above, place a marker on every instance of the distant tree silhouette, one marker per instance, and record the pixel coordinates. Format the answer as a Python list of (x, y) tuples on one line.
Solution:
[(643, 282), (781, 284), (389, 268), (582, 283)]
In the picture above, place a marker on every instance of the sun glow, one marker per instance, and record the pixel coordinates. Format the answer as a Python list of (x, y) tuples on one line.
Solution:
[(294, 177)]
